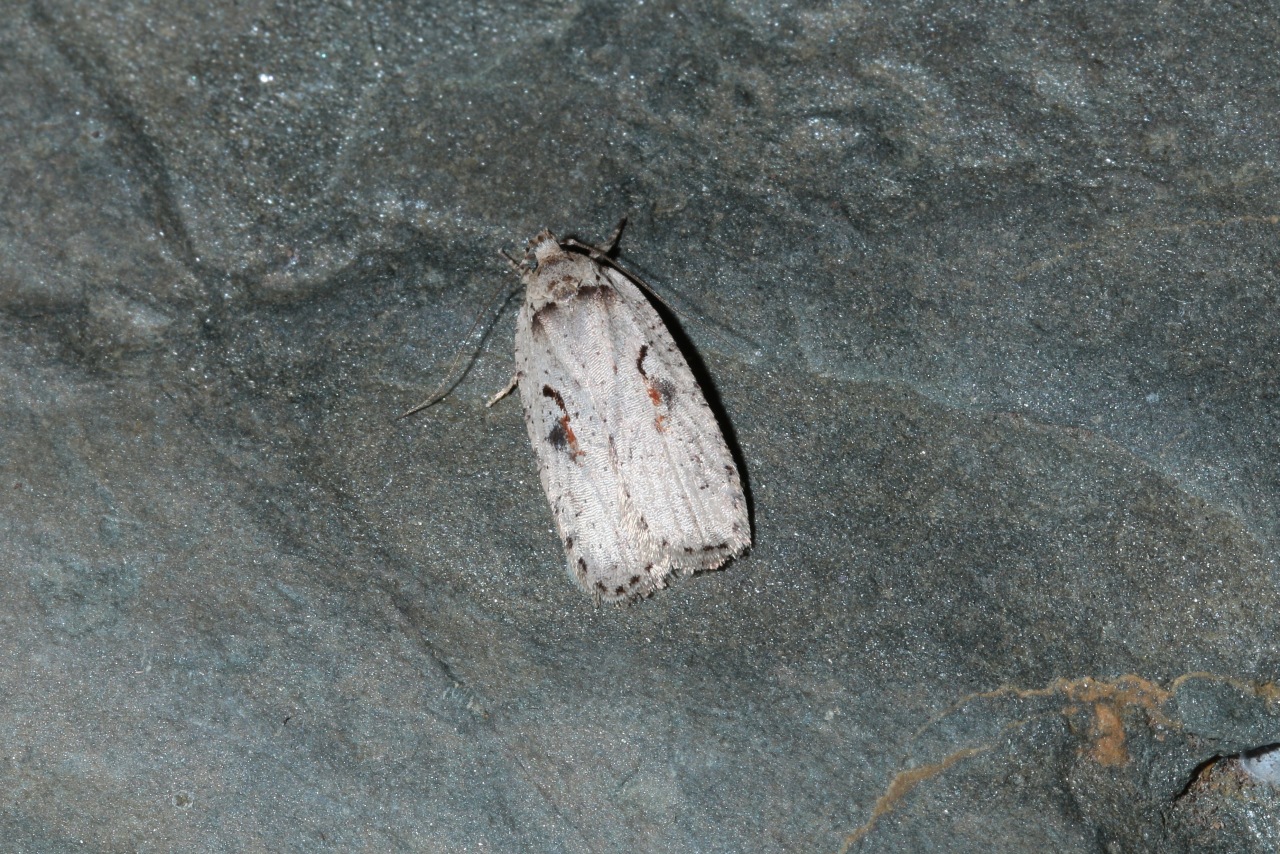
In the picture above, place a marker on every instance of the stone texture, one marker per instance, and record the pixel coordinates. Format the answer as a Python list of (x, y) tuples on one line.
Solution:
[(987, 296)]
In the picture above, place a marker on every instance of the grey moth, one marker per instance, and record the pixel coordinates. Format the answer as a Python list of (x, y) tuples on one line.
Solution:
[(634, 465)]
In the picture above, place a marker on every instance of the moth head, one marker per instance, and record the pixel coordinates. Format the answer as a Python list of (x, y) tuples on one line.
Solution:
[(542, 248)]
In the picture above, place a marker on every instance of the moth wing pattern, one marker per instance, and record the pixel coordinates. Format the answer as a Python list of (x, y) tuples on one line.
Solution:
[(689, 490), (633, 462)]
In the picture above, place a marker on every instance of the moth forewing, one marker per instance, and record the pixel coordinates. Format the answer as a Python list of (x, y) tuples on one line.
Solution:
[(637, 472)]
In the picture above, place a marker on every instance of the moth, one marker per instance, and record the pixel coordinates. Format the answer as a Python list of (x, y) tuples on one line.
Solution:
[(634, 465)]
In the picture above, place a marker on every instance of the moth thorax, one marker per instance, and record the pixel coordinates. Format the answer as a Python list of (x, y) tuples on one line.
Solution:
[(545, 247)]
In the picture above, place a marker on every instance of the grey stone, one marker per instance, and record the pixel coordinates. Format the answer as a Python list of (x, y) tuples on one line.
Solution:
[(987, 296)]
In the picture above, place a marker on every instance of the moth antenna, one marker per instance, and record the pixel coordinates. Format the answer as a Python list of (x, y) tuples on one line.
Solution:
[(601, 253), (450, 382), (612, 243), (515, 265), (441, 392), (604, 255)]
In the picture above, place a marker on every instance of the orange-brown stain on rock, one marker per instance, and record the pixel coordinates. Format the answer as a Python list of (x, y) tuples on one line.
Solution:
[(1107, 734), (1109, 702), (902, 784)]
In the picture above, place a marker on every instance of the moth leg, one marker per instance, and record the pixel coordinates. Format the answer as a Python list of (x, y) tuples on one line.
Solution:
[(612, 243), (506, 391), (600, 253), (515, 265)]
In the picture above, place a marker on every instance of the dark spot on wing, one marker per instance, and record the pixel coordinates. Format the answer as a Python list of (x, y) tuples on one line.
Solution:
[(557, 437), (561, 434), (604, 293), (548, 391), (660, 390)]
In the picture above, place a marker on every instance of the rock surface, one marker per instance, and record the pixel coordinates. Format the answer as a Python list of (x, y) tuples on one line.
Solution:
[(989, 297)]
